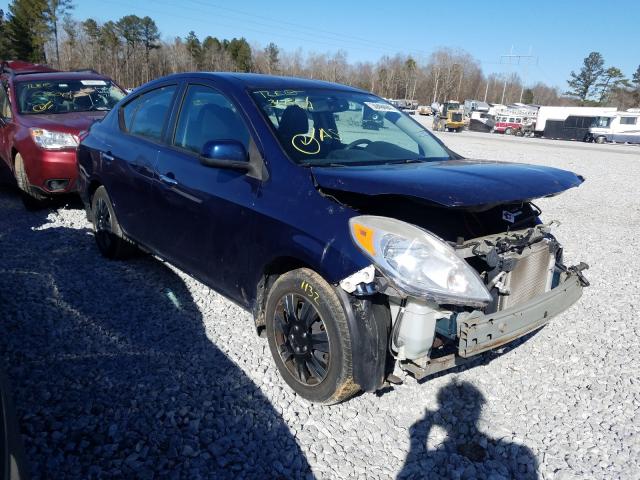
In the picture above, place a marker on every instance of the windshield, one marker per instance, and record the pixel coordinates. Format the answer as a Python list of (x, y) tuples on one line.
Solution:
[(64, 96), (333, 127)]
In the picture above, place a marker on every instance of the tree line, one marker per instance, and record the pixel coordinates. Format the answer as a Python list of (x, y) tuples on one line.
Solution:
[(130, 50), (598, 84)]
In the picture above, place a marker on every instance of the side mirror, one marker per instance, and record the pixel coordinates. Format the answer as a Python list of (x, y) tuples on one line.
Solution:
[(225, 154)]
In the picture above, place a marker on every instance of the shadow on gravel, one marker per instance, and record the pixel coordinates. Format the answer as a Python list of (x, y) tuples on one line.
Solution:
[(446, 443), (112, 370)]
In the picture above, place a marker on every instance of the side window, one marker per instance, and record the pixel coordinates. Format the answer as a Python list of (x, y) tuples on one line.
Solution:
[(628, 120), (5, 107), (145, 115), (207, 115)]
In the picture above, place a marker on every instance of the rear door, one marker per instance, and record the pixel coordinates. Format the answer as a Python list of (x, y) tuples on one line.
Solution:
[(203, 219), (130, 156)]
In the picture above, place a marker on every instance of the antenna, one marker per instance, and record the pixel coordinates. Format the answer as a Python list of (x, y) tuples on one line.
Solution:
[(518, 60)]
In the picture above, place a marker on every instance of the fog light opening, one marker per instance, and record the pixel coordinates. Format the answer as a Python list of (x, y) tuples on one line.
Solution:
[(56, 185)]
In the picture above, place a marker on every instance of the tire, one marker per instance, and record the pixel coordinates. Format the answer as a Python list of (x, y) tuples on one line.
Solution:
[(108, 234), (32, 198), (518, 133), (507, 131), (601, 139), (311, 345)]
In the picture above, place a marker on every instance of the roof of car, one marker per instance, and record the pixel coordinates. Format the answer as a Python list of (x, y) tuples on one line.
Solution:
[(257, 80), (82, 75)]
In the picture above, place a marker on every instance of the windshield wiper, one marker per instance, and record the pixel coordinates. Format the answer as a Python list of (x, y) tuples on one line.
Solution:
[(406, 160)]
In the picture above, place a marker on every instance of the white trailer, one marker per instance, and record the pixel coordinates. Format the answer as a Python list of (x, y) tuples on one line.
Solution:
[(621, 127), (561, 114)]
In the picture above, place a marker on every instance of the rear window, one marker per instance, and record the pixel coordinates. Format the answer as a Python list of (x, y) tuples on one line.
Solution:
[(146, 114), (66, 96)]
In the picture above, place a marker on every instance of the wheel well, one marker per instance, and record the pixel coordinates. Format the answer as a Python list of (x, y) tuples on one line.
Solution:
[(93, 186), (270, 273)]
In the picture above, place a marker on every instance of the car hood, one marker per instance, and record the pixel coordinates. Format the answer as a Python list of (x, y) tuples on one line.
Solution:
[(452, 183), (73, 122)]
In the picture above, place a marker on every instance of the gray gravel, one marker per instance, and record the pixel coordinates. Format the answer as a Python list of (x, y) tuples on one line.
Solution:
[(133, 369)]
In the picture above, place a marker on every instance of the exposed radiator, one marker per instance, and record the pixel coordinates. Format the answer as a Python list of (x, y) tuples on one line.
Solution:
[(532, 275)]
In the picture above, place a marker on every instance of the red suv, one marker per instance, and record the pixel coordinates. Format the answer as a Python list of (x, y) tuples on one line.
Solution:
[(42, 112)]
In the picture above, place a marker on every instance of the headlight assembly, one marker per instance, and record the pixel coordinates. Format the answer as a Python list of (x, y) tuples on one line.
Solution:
[(49, 140), (417, 262)]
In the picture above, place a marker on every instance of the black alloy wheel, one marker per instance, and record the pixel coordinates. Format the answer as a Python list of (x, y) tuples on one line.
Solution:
[(302, 339), (309, 338)]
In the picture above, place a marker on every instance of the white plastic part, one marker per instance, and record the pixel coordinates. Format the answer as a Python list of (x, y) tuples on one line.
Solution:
[(366, 275), (417, 329)]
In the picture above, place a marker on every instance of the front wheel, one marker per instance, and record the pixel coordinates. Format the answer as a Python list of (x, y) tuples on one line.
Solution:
[(508, 131), (309, 337), (601, 139), (32, 198)]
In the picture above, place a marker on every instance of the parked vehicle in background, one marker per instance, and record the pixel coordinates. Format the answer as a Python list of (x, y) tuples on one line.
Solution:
[(574, 127), (42, 112), (550, 120), (481, 122), (356, 250), (471, 106), (449, 116), (508, 125), (425, 110), (622, 127)]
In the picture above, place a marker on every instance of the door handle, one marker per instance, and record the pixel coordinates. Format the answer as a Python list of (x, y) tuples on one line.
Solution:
[(167, 180), (106, 156)]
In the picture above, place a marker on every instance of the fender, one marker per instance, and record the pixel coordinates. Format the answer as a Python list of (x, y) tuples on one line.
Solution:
[(369, 322)]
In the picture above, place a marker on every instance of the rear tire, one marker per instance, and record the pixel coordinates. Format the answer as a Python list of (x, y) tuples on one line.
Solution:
[(109, 236), (507, 131), (309, 338), (32, 198)]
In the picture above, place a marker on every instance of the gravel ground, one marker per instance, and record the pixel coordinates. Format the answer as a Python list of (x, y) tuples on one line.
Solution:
[(133, 369)]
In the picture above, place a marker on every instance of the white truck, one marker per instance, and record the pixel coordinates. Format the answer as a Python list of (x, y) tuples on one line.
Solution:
[(620, 127), (555, 115)]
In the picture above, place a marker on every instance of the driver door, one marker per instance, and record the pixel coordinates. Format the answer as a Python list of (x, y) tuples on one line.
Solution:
[(203, 224)]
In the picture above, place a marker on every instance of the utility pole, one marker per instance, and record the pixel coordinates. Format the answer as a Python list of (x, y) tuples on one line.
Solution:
[(517, 59), (435, 92)]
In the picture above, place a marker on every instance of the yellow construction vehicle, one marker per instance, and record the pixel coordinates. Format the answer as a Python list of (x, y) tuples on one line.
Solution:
[(449, 117)]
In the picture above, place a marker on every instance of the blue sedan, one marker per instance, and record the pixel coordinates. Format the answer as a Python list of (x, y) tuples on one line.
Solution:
[(360, 242)]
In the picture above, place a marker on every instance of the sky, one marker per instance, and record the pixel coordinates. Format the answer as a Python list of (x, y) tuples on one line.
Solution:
[(559, 34)]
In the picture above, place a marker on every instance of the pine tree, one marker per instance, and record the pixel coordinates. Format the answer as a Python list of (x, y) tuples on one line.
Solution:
[(611, 79), (54, 12), (27, 30), (272, 51), (582, 85)]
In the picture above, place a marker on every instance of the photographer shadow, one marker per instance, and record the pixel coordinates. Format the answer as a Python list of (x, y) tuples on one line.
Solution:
[(113, 373), (446, 443)]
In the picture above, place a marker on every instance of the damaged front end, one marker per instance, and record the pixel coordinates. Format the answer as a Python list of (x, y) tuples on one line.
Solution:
[(522, 274)]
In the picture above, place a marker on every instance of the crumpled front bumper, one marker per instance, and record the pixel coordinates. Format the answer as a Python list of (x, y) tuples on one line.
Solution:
[(478, 332)]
